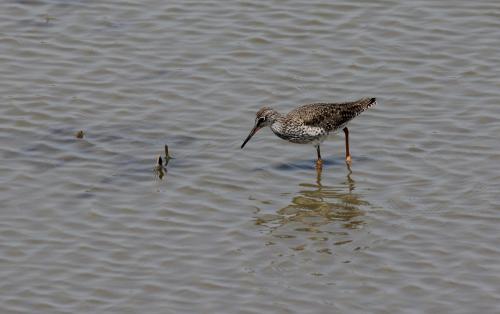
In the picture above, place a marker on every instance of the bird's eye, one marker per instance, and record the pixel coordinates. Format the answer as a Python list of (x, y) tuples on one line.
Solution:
[(262, 119)]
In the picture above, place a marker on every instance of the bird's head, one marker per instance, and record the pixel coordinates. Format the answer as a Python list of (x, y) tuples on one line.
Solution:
[(264, 117)]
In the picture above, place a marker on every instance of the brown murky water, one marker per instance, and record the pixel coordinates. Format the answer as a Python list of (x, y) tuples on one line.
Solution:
[(86, 227)]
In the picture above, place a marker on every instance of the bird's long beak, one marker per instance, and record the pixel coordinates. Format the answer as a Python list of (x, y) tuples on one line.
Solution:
[(254, 130)]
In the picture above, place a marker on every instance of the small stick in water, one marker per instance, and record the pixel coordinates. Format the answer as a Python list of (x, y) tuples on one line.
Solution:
[(161, 165), (167, 156), (160, 169), (79, 134)]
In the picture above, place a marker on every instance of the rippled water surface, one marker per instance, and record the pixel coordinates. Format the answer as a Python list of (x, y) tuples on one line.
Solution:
[(87, 227)]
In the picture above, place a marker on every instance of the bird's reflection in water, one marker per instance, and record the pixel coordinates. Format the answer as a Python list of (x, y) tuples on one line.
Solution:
[(318, 213)]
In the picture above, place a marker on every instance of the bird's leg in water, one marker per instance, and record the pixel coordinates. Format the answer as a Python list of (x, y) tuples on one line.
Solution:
[(347, 153), (319, 162)]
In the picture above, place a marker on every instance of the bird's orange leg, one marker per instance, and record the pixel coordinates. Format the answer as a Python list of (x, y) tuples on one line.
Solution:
[(319, 162), (347, 153)]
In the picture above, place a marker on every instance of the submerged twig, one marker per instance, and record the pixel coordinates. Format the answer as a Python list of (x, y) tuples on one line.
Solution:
[(167, 156), (160, 169), (161, 165)]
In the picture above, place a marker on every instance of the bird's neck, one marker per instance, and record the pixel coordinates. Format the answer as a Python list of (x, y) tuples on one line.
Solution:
[(278, 125)]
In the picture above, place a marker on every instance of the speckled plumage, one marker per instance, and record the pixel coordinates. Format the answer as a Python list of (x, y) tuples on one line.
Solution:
[(311, 123)]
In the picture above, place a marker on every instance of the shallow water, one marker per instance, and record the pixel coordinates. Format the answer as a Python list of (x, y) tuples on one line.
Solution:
[(86, 226)]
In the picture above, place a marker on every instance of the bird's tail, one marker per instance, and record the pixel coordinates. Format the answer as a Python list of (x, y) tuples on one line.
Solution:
[(354, 108), (349, 110), (366, 103)]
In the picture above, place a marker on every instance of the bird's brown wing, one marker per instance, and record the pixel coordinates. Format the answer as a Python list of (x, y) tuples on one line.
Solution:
[(331, 116)]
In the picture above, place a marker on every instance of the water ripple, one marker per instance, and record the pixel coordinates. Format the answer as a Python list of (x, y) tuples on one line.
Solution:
[(88, 227)]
